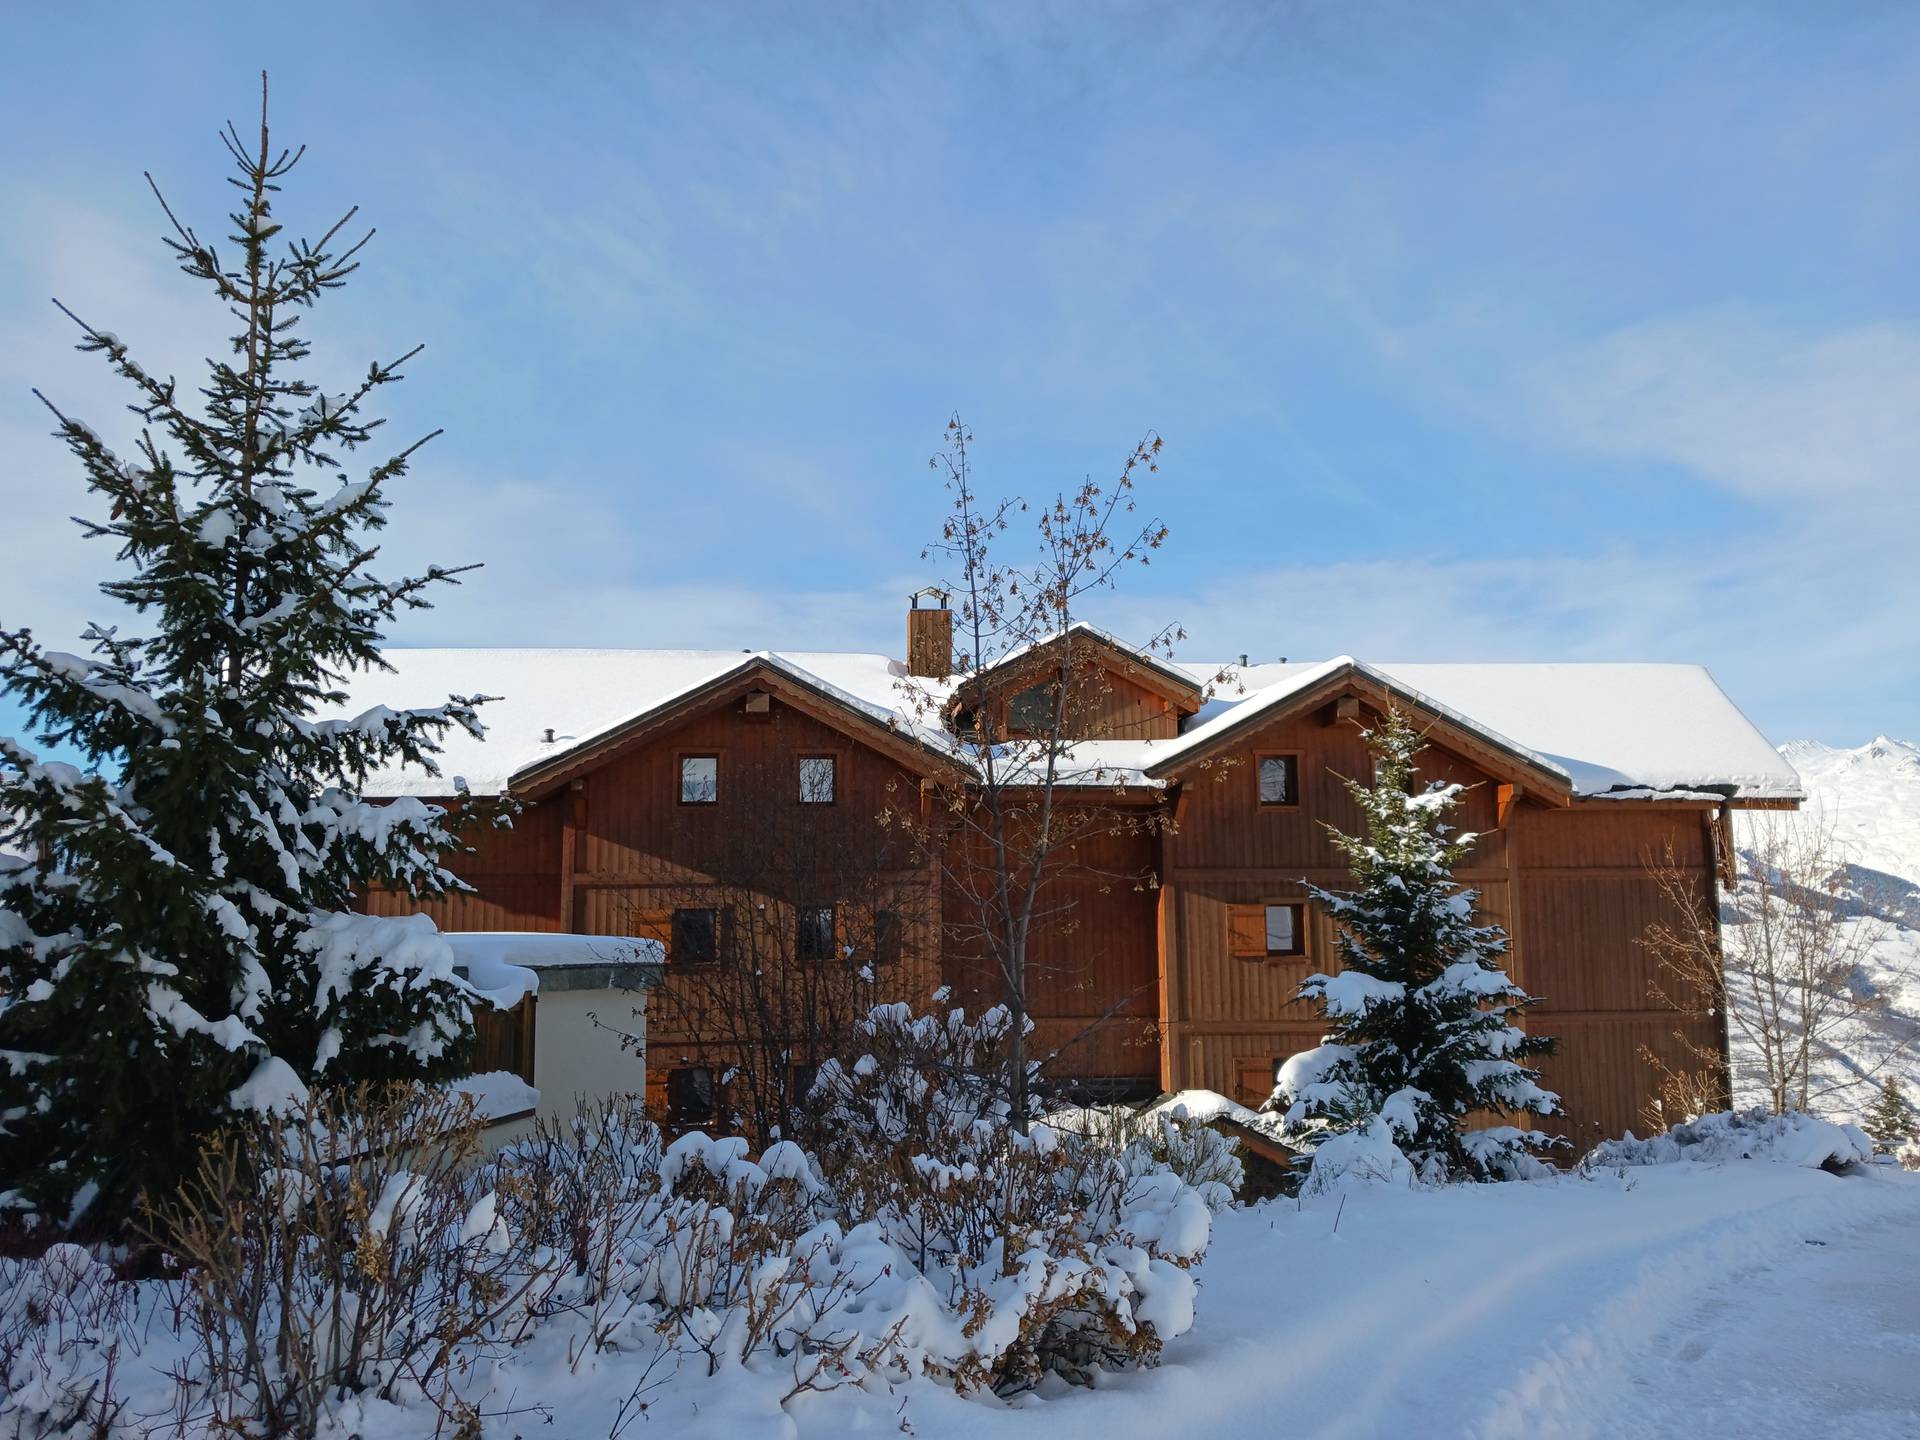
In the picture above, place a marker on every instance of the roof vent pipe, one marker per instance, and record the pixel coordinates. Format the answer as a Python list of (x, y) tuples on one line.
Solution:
[(1243, 661), (549, 735)]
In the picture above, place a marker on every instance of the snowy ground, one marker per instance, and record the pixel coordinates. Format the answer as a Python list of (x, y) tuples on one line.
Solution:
[(1685, 1300), (1825, 1341)]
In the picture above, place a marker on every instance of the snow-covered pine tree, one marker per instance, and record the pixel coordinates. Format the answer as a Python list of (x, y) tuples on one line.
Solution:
[(1892, 1122), (177, 928), (1421, 1015)]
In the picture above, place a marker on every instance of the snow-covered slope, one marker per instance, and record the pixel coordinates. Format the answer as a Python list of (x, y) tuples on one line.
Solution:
[(1870, 797), (1866, 802)]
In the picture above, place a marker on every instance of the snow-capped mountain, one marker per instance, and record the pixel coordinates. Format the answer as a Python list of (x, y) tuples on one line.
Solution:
[(1870, 796)]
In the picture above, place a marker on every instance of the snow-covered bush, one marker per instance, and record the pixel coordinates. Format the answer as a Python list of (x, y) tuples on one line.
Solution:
[(1200, 1155), (1044, 1252), (1757, 1134), (358, 1252), (1172, 1136), (1352, 1159), (64, 1325)]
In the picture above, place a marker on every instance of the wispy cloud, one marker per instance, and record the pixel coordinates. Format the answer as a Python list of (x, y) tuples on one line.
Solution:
[(1766, 410)]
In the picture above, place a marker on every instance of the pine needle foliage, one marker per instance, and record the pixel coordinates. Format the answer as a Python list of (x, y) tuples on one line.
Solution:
[(1422, 1013), (1892, 1123), (178, 936)]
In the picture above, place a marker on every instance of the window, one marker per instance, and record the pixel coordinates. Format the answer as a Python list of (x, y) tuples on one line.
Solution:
[(800, 1080), (886, 937), (816, 779), (690, 1098), (815, 941), (699, 779), (1267, 932), (1286, 930), (1031, 710), (1279, 776), (696, 936)]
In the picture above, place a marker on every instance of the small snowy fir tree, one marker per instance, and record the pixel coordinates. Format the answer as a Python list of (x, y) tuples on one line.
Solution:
[(177, 930), (1892, 1122), (1421, 1015)]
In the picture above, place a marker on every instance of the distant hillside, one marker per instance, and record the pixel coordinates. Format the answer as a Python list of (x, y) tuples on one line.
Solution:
[(1871, 797), (1868, 800)]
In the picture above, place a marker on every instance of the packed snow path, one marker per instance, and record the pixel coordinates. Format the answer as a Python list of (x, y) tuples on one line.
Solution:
[(1681, 1301), (1825, 1341)]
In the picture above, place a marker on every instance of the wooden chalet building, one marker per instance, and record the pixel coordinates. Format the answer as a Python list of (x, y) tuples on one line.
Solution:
[(648, 777)]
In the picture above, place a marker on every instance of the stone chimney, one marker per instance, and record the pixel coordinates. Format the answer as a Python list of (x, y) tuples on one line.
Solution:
[(930, 636)]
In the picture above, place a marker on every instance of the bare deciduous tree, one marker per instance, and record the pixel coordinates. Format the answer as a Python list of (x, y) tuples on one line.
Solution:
[(1029, 700), (1784, 955)]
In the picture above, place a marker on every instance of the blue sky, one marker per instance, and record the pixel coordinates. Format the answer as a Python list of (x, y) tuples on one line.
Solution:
[(1474, 332)]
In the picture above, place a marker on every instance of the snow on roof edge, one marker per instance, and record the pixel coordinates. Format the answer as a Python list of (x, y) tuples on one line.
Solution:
[(1277, 694), (1172, 669), (880, 715)]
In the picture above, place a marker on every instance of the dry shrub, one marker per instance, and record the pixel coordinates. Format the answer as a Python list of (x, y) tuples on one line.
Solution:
[(1682, 1092), (343, 1248), (361, 1246), (688, 1249)]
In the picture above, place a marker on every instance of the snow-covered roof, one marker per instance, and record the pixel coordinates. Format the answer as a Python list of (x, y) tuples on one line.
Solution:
[(1625, 729), (1610, 727), (505, 966), (1181, 675), (1303, 678), (581, 695)]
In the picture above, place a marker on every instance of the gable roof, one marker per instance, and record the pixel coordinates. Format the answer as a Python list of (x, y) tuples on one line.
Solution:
[(1155, 672), (1311, 684), (1605, 729), (1619, 729), (588, 698)]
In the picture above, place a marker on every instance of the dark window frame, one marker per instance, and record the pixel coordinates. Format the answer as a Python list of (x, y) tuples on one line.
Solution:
[(1044, 689), (889, 936), (675, 955), (803, 948), (1292, 802), (833, 777), (678, 1113), (680, 778), (1299, 910)]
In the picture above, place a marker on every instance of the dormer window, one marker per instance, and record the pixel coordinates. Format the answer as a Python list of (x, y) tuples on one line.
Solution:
[(1030, 711), (1279, 780)]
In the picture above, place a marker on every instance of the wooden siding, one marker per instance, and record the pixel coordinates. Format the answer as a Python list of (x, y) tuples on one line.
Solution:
[(1572, 885), (515, 875), (1587, 895), (1093, 971), (1140, 985), (1126, 710), (1221, 824)]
